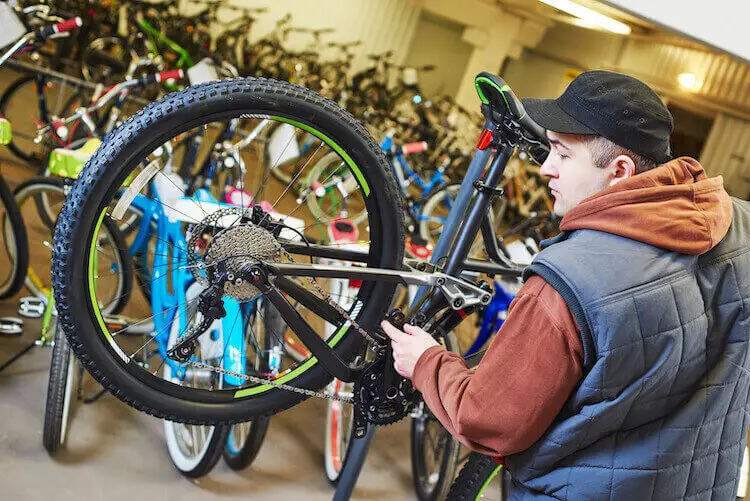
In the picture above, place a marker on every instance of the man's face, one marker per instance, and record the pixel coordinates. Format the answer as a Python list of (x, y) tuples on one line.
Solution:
[(572, 171)]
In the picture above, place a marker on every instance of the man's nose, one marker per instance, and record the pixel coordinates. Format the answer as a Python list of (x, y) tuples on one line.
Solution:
[(548, 169)]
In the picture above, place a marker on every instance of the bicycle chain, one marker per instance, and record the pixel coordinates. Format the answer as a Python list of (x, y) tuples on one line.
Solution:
[(282, 386), (336, 306)]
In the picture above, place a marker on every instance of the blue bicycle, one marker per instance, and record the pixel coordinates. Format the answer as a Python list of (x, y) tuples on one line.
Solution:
[(173, 289)]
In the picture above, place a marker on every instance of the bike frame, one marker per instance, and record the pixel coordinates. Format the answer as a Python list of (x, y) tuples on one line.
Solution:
[(406, 175), (451, 297)]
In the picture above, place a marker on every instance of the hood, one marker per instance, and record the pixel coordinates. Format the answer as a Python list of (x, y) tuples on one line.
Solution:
[(675, 206)]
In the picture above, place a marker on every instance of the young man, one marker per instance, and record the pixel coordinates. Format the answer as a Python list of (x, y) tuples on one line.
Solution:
[(621, 371)]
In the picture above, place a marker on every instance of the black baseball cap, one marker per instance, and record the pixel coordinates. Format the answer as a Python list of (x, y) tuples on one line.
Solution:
[(619, 107)]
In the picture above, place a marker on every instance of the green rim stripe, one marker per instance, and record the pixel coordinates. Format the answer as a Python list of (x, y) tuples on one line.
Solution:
[(92, 291), (487, 482), (296, 372), (489, 82), (336, 148)]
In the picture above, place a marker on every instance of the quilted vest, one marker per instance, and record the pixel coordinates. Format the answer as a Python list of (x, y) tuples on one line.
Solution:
[(661, 411)]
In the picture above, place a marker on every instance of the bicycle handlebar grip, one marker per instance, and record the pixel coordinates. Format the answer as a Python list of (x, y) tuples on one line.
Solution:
[(43, 34), (169, 74), (411, 148), (68, 25)]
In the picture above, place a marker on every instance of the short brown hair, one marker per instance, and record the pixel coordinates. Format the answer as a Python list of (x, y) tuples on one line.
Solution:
[(603, 152)]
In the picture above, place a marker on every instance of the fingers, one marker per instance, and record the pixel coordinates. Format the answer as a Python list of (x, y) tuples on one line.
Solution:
[(413, 330), (392, 332)]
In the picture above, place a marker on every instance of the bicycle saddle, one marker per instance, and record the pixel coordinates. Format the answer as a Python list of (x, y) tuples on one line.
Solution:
[(495, 92)]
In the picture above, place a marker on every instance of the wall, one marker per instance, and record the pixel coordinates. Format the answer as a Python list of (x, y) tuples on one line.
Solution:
[(540, 72), (727, 153), (438, 41), (382, 25), (533, 75), (726, 81)]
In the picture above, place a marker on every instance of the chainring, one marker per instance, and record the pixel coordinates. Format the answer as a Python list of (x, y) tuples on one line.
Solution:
[(374, 405)]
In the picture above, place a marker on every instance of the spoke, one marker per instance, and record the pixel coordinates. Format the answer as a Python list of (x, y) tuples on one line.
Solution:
[(341, 165), (253, 338), (151, 338), (299, 173), (151, 282), (173, 244), (268, 171), (226, 341), (195, 439), (204, 436), (152, 316), (279, 338)]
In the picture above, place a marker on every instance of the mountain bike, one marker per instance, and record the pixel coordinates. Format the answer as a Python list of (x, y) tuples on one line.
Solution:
[(251, 254)]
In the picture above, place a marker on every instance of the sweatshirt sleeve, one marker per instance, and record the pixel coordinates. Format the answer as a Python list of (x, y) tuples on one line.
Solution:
[(509, 400)]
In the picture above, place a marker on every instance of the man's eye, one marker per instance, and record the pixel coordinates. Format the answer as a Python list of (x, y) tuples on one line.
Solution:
[(561, 155)]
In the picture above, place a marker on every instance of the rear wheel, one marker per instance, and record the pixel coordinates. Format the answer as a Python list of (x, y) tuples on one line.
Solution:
[(101, 192)]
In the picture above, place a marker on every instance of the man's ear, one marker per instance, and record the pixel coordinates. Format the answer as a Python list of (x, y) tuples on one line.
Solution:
[(624, 167)]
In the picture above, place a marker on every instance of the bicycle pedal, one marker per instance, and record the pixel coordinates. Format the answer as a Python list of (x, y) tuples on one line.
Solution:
[(11, 326), (31, 307)]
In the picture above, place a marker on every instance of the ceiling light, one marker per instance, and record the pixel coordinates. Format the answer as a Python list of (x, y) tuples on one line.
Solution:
[(689, 81), (589, 16)]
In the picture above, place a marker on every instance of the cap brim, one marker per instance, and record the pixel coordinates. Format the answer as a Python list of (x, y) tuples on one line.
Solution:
[(548, 114)]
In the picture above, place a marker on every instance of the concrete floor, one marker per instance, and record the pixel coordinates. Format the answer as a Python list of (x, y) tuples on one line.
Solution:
[(116, 453)]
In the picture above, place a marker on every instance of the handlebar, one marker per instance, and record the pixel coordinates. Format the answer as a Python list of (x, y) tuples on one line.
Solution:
[(41, 35), (45, 33), (59, 126)]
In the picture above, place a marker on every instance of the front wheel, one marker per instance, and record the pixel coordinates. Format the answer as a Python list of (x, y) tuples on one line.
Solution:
[(481, 478), (59, 394), (134, 152)]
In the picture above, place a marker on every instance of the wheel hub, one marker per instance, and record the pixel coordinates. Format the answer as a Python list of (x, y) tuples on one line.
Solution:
[(235, 248)]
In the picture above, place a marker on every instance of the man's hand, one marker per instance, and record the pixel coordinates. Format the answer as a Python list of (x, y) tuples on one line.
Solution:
[(407, 346)]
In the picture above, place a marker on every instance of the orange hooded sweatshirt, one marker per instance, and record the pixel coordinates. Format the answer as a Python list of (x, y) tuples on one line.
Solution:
[(534, 362)]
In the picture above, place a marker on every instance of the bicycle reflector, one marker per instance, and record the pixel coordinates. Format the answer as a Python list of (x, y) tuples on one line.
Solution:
[(485, 139)]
